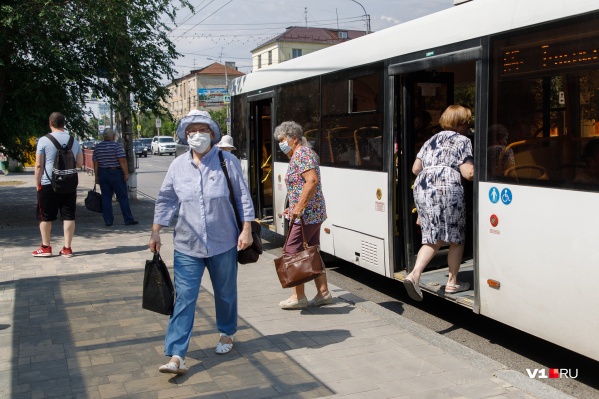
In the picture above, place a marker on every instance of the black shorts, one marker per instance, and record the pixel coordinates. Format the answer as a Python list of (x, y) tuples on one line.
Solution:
[(50, 202)]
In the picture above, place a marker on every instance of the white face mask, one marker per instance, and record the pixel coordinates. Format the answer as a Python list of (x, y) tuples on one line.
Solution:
[(199, 142)]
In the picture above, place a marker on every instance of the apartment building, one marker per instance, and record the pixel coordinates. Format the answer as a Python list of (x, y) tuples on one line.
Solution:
[(203, 88), (297, 41)]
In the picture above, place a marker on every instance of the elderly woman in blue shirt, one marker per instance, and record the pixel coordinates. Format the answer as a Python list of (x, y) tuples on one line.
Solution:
[(206, 234)]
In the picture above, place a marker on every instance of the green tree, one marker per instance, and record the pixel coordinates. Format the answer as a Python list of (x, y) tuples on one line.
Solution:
[(220, 116), (53, 53), (148, 125)]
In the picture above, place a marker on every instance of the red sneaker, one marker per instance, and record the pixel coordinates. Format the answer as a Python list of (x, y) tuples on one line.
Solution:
[(42, 252), (66, 252)]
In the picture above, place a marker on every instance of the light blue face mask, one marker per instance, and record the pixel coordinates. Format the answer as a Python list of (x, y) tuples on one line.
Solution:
[(284, 147)]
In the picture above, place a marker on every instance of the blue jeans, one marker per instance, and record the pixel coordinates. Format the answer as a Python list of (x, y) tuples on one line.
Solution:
[(188, 276), (113, 181)]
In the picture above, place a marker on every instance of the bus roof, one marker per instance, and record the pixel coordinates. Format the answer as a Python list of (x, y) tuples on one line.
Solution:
[(474, 19)]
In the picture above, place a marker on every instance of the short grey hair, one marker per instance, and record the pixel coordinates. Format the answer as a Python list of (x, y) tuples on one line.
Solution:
[(290, 129), (108, 132)]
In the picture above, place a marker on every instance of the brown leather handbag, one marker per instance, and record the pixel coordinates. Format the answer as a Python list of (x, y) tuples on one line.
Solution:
[(301, 267)]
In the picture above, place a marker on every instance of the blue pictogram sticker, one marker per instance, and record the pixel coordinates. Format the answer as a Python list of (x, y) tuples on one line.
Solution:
[(506, 196), (494, 195)]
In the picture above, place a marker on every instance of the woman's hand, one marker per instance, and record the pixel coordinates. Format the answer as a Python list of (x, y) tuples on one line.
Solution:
[(154, 243), (245, 238), (297, 213)]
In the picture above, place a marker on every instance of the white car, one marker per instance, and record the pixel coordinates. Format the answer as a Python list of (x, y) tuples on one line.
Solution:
[(163, 145)]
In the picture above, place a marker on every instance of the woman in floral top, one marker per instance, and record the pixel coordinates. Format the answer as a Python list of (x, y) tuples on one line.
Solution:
[(439, 196), (306, 201)]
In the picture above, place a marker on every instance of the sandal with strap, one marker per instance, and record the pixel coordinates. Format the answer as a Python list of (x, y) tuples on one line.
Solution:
[(455, 288), (413, 289), (221, 348), (172, 367)]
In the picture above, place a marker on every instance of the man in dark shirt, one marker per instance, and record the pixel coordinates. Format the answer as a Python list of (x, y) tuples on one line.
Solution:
[(110, 166)]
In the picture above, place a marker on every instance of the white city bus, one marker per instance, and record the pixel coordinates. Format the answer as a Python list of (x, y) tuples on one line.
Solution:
[(529, 70)]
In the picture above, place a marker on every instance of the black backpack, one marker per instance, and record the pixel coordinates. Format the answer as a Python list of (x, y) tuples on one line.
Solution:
[(64, 173)]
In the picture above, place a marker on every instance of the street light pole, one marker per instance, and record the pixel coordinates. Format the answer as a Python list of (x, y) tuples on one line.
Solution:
[(365, 15)]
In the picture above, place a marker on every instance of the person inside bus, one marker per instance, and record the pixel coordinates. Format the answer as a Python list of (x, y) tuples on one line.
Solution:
[(439, 197), (590, 155), (306, 201), (499, 157), (422, 127)]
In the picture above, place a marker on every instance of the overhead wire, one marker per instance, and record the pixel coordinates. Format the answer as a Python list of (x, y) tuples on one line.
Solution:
[(227, 3)]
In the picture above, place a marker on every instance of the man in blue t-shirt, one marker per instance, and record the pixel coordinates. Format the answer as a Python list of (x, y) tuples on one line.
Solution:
[(110, 166), (50, 202)]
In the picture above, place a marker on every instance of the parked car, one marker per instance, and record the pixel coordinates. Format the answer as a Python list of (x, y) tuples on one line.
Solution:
[(140, 150), (163, 145), (147, 142), (181, 148), (89, 145)]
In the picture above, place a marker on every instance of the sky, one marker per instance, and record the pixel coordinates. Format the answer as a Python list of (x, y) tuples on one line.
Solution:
[(227, 30)]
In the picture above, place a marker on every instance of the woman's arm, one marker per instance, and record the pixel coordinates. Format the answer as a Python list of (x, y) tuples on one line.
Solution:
[(467, 170), (308, 192), (417, 167)]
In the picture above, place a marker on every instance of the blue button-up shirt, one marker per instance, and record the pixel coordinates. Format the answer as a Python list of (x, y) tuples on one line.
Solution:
[(206, 225)]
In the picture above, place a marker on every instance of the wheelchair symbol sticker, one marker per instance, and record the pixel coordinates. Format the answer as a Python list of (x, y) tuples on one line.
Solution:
[(506, 196), (494, 195)]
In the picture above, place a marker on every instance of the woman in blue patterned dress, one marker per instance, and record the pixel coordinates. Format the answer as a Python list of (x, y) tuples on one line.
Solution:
[(306, 201), (439, 197)]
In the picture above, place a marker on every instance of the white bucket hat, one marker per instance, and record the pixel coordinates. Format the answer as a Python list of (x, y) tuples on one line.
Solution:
[(197, 116), (226, 142)]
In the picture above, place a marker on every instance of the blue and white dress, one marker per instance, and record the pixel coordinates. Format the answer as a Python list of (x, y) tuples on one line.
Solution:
[(438, 191)]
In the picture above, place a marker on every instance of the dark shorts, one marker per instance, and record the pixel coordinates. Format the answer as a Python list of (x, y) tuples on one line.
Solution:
[(50, 202), (311, 233)]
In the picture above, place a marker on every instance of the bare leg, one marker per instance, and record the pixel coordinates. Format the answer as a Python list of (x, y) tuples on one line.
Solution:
[(454, 259), (298, 292), (425, 254), (321, 286), (46, 229), (69, 232)]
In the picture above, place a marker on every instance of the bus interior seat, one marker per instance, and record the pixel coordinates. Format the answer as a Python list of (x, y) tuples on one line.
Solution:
[(368, 142), (341, 146), (311, 136), (527, 172)]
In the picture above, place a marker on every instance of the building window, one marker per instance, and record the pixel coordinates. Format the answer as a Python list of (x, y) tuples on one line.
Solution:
[(270, 57), (342, 34), (259, 61), (296, 52)]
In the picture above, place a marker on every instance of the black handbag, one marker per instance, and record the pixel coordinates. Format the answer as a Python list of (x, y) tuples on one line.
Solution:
[(158, 291), (93, 201), (253, 252)]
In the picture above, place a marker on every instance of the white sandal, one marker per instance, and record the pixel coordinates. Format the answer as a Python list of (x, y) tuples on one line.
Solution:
[(221, 348), (172, 367)]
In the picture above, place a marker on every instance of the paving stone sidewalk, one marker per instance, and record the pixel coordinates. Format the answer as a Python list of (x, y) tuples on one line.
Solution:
[(74, 328)]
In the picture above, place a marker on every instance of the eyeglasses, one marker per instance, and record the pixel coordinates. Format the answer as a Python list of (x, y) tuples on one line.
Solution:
[(194, 132)]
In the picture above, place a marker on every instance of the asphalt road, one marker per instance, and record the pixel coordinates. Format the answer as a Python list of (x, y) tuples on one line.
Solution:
[(516, 350)]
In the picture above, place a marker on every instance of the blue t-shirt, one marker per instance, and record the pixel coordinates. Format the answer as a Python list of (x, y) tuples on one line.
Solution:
[(45, 146)]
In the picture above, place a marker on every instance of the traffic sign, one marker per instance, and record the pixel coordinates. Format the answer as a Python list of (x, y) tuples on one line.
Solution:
[(226, 99), (158, 122)]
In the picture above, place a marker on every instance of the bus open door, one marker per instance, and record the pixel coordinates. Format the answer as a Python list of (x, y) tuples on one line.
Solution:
[(261, 162)]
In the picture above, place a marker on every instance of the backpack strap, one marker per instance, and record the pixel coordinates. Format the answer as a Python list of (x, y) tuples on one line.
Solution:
[(58, 148), (58, 145)]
